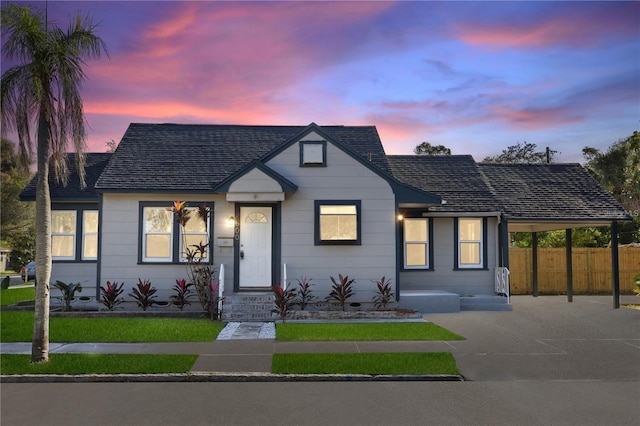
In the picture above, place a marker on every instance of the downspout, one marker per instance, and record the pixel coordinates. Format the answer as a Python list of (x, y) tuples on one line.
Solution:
[(398, 248), (99, 252), (615, 265), (505, 242)]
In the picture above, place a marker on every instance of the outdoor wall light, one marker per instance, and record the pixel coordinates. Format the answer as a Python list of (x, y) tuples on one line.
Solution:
[(231, 221), (400, 217)]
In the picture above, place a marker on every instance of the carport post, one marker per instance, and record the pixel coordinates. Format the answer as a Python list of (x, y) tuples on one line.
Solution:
[(615, 265), (534, 262), (569, 265)]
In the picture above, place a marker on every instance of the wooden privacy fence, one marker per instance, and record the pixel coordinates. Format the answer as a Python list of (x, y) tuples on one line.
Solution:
[(591, 270)]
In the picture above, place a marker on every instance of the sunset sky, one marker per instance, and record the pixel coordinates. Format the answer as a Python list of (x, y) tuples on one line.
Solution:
[(473, 76)]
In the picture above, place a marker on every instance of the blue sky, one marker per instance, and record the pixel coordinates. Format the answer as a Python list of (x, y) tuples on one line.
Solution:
[(473, 76)]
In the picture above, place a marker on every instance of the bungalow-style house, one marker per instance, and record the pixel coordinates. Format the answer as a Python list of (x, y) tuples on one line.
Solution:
[(312, 201)]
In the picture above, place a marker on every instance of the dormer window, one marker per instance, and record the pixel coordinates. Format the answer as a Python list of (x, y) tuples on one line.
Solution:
[(313, 154)]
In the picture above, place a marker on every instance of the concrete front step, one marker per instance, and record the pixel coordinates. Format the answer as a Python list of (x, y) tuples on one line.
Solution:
[(429, 301), (248, 307), (440, 301), (483, 302)]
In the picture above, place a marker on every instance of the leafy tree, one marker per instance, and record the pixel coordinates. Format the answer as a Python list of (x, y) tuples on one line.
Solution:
[(618, 171), (17, 219), (111, 145), (522, 153), (581, 237), (44, 88), (425, 148)]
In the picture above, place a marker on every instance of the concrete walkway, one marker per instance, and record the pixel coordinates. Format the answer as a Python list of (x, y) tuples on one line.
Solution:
[(543, 338)]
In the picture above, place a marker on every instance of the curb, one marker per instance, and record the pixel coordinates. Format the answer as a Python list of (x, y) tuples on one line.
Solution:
[(225, 377)]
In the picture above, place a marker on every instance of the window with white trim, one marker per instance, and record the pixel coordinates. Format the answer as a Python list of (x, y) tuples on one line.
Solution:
[(470, 243), (89, 234), (157, 238), (163, 240), (416, 243), (195, 235), (63, 234)]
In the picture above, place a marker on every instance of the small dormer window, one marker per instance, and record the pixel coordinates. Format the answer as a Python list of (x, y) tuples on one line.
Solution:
[(313, 154)]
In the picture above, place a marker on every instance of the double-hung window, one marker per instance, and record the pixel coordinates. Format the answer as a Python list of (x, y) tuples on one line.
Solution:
[(164, 240), (157, 238), (89, 235), (337, 222), (416, 243), (63, 234), (195, 236), (74, 234), (471, 248)]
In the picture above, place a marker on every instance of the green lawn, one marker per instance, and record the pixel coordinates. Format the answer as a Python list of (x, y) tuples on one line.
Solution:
[(376, 331), (11, 296), (364, 363), (97, 364), (17, 326)]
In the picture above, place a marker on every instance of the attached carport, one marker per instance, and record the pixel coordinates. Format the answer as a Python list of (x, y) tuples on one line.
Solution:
[(548, 197), (535, 227)]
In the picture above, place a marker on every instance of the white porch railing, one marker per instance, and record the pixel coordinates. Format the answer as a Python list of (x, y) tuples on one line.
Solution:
[(220, 287), (502, 281), (284, 276)]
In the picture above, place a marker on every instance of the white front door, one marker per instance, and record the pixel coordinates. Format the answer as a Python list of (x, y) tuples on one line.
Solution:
[(255, 246)]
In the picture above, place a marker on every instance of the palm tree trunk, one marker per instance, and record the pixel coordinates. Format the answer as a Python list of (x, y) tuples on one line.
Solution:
[(40, 343)]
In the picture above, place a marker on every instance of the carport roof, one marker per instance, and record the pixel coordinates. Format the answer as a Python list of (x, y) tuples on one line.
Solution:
[(546, 193)]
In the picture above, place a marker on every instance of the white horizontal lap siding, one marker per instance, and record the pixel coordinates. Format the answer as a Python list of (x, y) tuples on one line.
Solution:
[(83, 273), (444, 276), (120, 241), (255, 181), (344, 178)]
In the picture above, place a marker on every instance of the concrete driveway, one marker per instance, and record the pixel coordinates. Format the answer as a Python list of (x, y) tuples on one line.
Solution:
[(547, 338)]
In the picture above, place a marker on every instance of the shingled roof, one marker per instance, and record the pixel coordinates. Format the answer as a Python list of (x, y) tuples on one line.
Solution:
[(551, 191), (195, 158), (457, 179), (95, 163), (522, 192)]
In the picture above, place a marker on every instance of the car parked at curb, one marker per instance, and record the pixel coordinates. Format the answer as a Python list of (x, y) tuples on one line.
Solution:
[(28, 271)]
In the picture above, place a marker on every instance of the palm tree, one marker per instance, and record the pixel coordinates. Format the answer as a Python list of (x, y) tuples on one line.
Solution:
[(44, 89)]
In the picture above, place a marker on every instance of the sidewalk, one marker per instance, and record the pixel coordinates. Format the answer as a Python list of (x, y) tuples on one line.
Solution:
[(543, 338)]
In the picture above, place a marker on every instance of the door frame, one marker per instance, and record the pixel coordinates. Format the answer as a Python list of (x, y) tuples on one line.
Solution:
[(276, 251)]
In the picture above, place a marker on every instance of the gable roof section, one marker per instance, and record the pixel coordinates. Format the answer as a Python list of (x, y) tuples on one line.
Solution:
[(361, 142), (455, 178), (196, 158), (285, 184), (371, 155), (551, 191), (95, 162)]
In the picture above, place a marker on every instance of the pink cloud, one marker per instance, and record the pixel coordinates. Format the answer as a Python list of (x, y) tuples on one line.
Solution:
[(586, 25), (209, 52), (535, 118)]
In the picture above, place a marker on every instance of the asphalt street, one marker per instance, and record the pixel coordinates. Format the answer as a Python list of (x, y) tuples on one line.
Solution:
[(546, 362)]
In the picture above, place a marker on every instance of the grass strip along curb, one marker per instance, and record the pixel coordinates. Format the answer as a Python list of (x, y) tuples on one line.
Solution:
[(88, 364), (369, 363)]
